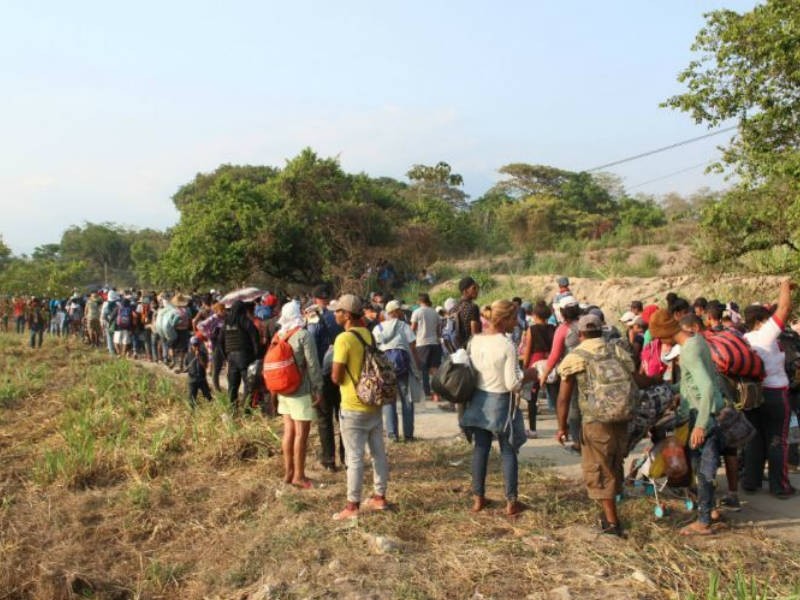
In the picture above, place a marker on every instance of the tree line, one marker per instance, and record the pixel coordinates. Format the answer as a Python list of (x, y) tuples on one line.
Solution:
[(311, 221)]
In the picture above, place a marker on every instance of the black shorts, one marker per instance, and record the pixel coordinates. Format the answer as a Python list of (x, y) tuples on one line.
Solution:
[(430, 357), (181, 342)]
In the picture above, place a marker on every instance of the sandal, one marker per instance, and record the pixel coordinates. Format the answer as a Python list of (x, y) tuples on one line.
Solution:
[(696, 528), (305, 484)]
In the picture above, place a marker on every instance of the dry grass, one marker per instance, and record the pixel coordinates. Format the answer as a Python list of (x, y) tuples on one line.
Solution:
[(173, 505)]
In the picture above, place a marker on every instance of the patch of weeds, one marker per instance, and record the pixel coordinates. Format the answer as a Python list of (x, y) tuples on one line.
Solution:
[(139, 496), (163, 575), (11, 393), (294, 504), (406, 590)]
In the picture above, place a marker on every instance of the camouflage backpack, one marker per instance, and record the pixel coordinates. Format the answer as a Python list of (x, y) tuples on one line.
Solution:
[(610, 396)]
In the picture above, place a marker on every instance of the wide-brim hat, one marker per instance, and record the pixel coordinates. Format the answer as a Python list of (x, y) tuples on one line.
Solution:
[(180, 300)]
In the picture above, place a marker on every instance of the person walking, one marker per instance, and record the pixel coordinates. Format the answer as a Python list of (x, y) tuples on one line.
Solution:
[(361, 424), (492, 412), (395, 339), (771, 419), (240, 346)]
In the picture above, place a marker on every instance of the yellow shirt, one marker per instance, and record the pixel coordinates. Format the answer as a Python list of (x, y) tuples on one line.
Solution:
[(348, 350)]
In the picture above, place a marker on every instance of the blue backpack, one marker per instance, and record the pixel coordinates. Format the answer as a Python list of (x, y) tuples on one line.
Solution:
[(398, 357)]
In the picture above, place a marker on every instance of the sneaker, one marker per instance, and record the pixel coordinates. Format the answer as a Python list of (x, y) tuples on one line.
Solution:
[(376, 503), (531, 434), (348, 514), (731, 503)]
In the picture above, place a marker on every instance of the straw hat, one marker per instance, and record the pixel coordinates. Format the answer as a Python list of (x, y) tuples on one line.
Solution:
[(180, 300)]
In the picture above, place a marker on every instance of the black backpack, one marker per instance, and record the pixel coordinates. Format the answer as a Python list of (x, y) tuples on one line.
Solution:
[(454, 382)]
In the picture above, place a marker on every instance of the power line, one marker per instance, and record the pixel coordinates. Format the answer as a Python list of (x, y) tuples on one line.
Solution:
[(693, 167), (656, 151)]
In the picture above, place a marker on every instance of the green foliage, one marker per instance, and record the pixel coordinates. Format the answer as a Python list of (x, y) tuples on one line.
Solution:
[(744, 221), (437, 183), (55, 277), (747, 70)]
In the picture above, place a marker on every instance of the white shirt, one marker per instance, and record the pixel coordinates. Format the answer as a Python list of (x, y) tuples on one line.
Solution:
[(764, 341), (494, 358), (393, 333), (427, 322)]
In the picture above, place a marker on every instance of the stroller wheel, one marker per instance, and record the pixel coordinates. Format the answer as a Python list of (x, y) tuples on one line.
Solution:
[(659, 511), (689, 504)]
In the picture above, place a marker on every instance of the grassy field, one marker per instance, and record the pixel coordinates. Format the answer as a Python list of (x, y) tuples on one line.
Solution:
[(111, 488)]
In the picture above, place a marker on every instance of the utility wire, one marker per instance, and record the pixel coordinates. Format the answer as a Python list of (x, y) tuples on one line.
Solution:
[(692, 168), (656, 151)]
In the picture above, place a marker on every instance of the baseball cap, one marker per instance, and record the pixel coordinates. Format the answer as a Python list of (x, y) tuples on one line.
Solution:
[(590, 322), (392, 306), (627, 318), (563, 281), (350, 303), (567, 301)]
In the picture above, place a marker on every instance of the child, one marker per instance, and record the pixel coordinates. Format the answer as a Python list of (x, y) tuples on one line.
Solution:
[(196, 369)]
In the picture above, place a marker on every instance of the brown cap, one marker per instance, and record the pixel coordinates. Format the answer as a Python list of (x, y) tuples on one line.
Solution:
[(663, 325), (349, 303)]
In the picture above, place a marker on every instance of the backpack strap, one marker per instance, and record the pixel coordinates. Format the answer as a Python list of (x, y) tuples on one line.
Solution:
[(365, 345)]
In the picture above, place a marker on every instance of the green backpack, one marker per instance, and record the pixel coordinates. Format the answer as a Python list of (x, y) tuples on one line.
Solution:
[(610, 395)]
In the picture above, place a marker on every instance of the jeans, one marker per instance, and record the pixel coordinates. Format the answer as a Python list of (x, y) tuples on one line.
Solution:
[(480, 461), (705, 462), (533, 408), (37, 331), (770, 443), (110, 341), (407, 409), (217, 360), (360, 429), (20, 324), (327, 418), (552, 395)]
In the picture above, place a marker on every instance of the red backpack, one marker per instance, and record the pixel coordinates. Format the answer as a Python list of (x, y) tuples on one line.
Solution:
[(281, 375), (652, 364), (733, 356)]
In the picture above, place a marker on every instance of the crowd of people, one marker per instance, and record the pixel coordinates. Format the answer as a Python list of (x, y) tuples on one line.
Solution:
[(589, 372)]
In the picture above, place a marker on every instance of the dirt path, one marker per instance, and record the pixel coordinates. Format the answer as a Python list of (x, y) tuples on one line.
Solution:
[(780, 518)]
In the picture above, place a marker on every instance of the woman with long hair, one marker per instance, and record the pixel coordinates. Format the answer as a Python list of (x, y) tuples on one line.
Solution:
[(493, 412)]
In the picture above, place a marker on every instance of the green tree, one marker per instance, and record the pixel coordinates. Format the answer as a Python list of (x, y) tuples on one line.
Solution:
[(747, 71), (214, 241), (732, 228), (5, 253), (438, 182), (102, 246)]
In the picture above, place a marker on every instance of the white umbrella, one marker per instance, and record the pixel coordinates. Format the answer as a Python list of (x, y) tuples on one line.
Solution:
[(248, 294)]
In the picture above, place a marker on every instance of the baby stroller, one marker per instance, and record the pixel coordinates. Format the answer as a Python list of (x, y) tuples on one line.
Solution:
[(663, 470)]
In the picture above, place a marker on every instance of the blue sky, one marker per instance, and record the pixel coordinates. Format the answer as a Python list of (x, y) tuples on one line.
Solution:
[(107, 109)]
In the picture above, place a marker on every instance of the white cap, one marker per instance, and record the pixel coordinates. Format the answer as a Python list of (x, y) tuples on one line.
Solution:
[(627, 318), (392, 306), (567, 301)]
